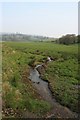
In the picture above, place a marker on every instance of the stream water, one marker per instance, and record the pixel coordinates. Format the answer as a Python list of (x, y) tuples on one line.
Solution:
[(43, 89), (42, 86)]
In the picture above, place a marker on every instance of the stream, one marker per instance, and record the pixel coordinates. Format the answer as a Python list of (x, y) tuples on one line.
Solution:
[(42, 86), (58, 111)]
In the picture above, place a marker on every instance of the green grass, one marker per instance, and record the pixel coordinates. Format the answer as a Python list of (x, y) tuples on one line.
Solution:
[(62, 74), (18, 92), (63, 77)]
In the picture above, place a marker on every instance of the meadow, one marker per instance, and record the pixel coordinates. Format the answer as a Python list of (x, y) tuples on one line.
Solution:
[(62, 73)]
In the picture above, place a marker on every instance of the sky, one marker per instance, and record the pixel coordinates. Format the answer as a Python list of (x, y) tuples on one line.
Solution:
[(52, 19)]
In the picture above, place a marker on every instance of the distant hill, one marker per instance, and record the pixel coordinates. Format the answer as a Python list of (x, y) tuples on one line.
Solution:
[(23, 37)]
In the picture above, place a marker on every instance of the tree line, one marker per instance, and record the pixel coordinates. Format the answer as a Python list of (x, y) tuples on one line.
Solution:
[(69, 39)]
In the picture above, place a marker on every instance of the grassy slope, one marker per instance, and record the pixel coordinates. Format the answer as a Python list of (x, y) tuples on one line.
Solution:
[(62, 73), (18, 92), (63, 78)]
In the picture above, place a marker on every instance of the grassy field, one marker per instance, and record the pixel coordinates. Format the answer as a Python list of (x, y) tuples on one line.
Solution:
[(18, 92), (61, 73)]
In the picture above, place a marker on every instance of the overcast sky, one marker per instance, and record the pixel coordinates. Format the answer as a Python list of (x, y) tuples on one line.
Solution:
[(48, 19)]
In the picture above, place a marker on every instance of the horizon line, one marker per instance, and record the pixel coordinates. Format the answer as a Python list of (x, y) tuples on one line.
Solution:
[(38, 34)]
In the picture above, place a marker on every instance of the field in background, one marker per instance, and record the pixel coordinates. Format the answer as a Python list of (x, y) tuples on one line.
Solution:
[(62, 73)]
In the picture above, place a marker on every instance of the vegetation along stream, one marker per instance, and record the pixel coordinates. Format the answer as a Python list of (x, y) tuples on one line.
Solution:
[(44, 90)]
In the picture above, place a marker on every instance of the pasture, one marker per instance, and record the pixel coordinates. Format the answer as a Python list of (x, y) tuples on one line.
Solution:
[(62, 73)]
